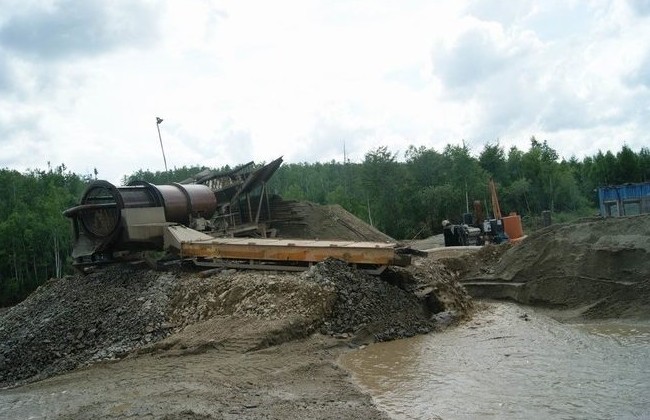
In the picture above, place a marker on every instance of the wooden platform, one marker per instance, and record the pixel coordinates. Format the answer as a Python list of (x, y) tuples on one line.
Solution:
[(190, 243)]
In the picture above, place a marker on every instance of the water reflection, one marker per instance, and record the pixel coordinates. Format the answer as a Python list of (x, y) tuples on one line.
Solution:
[(512, 363)]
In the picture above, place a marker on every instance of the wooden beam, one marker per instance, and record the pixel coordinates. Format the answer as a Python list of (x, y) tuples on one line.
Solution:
[(368, 253)]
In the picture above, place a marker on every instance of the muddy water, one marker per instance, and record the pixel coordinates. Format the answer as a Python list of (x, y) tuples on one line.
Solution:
[(511, 363)]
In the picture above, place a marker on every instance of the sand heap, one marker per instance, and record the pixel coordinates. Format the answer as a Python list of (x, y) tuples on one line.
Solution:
[(306, 220), (600, 266)]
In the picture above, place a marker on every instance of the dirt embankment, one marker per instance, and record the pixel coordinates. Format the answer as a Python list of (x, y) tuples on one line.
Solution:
[(598, 268), (152, 317), (306, 220)]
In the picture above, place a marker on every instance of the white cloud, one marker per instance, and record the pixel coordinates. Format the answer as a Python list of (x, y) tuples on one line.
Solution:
[(566, 85), (237, 81), (66, 28)]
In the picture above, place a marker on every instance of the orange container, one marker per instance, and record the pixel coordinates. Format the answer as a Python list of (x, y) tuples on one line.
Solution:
[(512, 226)]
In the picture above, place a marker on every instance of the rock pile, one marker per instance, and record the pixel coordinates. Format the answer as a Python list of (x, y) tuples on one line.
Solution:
[(267, 295), (107, 315), (78, 319), (365, 305), (438, 285)]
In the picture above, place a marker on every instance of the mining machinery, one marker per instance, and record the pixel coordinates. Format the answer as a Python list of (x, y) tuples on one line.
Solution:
[(214, 219)]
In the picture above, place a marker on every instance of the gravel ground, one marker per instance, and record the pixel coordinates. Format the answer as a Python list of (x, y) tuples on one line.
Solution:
[(76, 320), (142, 327)]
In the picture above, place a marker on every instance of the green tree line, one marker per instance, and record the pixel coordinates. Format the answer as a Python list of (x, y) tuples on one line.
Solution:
[(35, 238), (405, 194), (409, 197)]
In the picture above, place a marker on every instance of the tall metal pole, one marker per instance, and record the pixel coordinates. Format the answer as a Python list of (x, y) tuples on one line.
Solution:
[(466, 198), (158, 121)]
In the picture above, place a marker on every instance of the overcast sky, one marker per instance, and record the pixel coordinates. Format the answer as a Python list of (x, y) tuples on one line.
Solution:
[(81, 82)]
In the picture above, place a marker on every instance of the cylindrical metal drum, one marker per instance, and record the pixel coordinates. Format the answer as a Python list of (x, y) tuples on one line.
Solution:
[(177, 205), (183, 201), (203, 202), (512, 226), (99, 212)]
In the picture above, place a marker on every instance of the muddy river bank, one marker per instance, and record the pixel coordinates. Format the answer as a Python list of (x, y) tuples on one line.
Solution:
[(512, 361), (509, 361)]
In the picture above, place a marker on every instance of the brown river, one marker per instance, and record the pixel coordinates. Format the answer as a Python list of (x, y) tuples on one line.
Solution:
[(512, 362)]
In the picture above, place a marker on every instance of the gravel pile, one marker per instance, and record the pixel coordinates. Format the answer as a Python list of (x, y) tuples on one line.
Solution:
[(107, 315), (78, 319), (306, 220), (267, 295), (436, 283), (368, 305)]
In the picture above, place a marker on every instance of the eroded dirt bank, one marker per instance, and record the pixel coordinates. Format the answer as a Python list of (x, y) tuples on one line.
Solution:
[(596, 269), (237, 344)]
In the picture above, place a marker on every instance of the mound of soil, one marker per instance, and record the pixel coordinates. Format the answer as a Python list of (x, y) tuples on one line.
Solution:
[(122, 310), (602, 266), (306, 220), (473, 264), (439, 286), (267, 295), (241, 311)]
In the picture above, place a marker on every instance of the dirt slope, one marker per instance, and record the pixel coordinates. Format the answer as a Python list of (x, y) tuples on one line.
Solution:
[(124, 310), (303, 219), (600, 266)]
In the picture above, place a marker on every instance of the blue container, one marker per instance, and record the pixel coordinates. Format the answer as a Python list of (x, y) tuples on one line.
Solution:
[(624, 200)]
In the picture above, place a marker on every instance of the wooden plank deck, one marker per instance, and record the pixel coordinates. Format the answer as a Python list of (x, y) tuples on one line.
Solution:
[(284, 250)]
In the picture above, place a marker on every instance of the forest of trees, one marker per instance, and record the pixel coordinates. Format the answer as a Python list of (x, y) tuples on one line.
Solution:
[(409, 197), (35, 238), (405, 195)]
